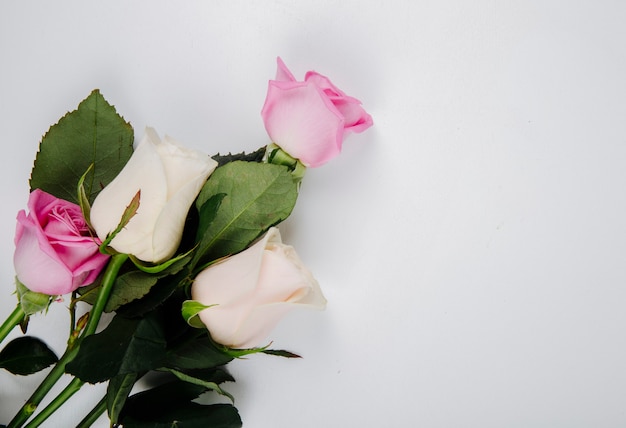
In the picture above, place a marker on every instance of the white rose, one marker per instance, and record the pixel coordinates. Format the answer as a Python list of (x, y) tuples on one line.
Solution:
[(253, 290), (170, 178)]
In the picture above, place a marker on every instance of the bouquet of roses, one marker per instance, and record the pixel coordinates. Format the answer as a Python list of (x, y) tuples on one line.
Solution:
[(182, 247)]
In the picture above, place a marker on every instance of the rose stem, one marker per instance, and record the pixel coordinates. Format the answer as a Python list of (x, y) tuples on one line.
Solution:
[(108, 280), (94, 414), (58, 401), (14, 319)]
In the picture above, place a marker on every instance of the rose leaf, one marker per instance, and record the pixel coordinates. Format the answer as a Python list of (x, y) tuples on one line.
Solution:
[(92, 134), (26, 355)]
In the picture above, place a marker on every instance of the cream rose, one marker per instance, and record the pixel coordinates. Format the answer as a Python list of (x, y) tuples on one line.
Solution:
[(170, 178), (253, 290)]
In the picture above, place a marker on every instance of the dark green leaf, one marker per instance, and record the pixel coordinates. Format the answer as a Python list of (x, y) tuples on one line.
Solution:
[(118, 391), (207, 213), (170, 406), (92, 134), (125, 346), (188, 415), (173, 392), (217, 374), (200, 353), (128, 287), (258, 196), (163, 290), (26, 355)]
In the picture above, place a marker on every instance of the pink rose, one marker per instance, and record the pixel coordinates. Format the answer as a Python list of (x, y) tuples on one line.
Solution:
[(310, 119), (55, 253), (253, 290)]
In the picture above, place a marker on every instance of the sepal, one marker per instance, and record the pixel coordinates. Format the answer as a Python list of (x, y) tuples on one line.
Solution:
[(242, 353), (277, 156), (129, 213), (31, 301), (83, 198), (190, 310), (160, 268)]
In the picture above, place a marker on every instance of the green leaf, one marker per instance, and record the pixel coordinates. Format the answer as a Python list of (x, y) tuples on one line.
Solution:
[(118, 390), (125, 346), (26, 355), (170, 406), (258, 196), (216, 374), (187, 415), (129, 286), (174, 392), (158, 294), (92, 134), (200, 353), (206, 214)]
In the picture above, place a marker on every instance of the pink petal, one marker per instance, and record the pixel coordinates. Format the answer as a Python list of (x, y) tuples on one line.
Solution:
[(283, 73), (40, 203), (323, 82), (357, 119), (38, 267)]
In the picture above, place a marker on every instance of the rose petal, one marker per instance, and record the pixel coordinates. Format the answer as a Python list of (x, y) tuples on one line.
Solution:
[(356, 118), (324, 83), (36, 264), (283, 73)]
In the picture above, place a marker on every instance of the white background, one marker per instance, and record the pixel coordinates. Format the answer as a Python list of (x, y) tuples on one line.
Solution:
[(471, 244)]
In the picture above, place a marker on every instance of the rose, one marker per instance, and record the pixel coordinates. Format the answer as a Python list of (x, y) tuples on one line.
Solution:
[(170, 178), (54, 251), (310, 119), (253, 290)]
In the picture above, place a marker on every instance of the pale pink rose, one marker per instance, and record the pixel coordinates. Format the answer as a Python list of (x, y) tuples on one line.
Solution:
[(310, 119), (253, 290), (54, 251)]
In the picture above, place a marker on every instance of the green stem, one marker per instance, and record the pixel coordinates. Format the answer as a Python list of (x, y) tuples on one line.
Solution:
[(108, 280), (14, 319), (94, 414), (73, 313), (60, 399)]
